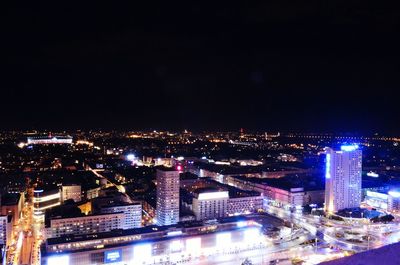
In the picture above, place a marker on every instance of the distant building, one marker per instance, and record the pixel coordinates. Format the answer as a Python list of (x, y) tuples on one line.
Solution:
[(71, 191), (132, 212), (210, 204), (167, 210), (343, 178), (49, 140)]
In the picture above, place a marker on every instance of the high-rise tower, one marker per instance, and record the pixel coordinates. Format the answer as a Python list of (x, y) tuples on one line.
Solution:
[(167, 211), (343, 178)]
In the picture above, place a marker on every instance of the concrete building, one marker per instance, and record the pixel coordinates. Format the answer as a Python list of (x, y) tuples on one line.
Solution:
[(343, 178), (132, 212), (87, 224), (141, 245), (167, 210), (202, 194), (71, 191), (210, 204), (5, 229)]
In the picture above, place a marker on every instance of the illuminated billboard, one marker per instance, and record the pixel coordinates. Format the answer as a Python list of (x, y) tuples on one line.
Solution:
[(58, 260), (113, 256)]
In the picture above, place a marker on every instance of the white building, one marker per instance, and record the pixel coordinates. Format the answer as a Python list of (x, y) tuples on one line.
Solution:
[(210, 205), (88, 224), (343, 178), (167, 209), (73, 192), (132, 212), (5, 229)]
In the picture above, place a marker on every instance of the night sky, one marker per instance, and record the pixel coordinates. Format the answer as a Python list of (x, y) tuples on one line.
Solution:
[(269, 65)]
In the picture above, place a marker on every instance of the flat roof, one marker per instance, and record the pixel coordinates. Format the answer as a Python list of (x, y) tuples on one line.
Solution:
[(117, 204), (308, 182), (163, 168)]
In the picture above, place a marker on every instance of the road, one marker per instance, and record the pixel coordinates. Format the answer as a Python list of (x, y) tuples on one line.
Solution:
[(338, 233), (26, 251), (25, 248)]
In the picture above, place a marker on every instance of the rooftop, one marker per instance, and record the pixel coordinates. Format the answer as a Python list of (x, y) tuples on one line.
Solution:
[(308, 182), (162, 168)]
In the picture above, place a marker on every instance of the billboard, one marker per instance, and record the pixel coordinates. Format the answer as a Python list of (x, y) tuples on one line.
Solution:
[(114, 255)]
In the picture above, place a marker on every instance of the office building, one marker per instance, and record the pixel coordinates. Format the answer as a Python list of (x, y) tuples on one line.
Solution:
[(5, 229), (343, 178), (248, 203), (167, 209), (87, 224), (132, 212), (210, 204)]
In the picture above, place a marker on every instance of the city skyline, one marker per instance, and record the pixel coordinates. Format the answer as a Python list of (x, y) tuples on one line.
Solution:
[(151, 197)]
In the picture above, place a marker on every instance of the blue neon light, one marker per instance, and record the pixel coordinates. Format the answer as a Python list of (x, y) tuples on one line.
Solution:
[(349, 148), (394, 194), (328, 166)]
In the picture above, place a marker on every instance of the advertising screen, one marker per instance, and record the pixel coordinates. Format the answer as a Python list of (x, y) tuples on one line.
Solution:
[(113, 256)]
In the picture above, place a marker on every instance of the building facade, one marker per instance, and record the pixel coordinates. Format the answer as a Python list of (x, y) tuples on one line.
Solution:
[(88, 224), (343, 178), (244, 205), (5, 229), (167, 209), (132, 212), (73, 192), (45, 199), (211, 205)]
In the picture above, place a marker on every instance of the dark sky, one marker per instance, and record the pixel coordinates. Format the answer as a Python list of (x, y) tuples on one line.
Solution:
[(267, 65)]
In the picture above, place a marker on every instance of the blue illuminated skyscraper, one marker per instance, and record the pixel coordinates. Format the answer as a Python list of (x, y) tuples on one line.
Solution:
[(343, 178)]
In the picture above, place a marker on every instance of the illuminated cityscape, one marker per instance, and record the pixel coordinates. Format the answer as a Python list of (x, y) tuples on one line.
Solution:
[(282, 199), (239, 133)]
